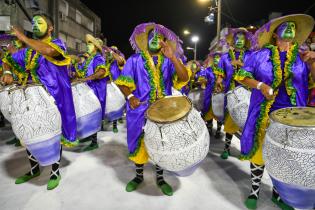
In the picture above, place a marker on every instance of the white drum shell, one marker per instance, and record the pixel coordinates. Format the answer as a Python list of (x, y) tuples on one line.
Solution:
[(176, 92), (289, 153), (197, 98), (115, 99), (217, 102), (5, 102), (85, 101), (183, 144), (238, 103), (35, 117)]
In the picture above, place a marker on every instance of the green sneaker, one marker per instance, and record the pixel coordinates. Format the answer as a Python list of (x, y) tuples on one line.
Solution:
[(281, 204), (132, 186), (121, 121), (53, 183), (225, 155), (251, 203), (26, 178), (166, 189), (115, 129), (91, 147)]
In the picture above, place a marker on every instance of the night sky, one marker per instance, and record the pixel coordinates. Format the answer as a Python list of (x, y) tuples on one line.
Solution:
[(119, 17)]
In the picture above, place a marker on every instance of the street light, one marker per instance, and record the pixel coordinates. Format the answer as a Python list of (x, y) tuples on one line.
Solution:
[(186, 32), (195, 40), (203, 1)]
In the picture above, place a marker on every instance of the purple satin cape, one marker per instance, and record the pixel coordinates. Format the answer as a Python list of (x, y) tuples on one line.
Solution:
[(261, 68)]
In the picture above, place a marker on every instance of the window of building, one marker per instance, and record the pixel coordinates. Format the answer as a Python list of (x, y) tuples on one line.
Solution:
[(64, 7), (83, 47), (63, 37), (5, 23), (90, 25), (71, 42), (78, 45), (78, 16)]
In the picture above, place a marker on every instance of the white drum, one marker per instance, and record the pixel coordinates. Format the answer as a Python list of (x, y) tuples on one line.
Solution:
[(238, 104), (88, 110), (5, 102), (217, 102), (197, 98), (289, 153), (176, 92), (36, 121), (175, 135), (115, 102)]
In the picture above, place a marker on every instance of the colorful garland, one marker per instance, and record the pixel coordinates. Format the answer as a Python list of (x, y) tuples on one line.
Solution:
[(233, 58), (157, 89), (288, 73), (82, 72), (126, 81)]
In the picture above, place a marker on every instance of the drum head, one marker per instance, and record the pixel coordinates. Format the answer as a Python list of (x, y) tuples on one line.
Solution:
[(295, 116), (169, 109)]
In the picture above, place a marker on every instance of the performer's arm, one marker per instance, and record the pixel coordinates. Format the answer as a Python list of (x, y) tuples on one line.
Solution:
[(120, 60), (309, 58), (97, 75), (181, 70), (37, 45), (7, 77), (252, 83), (133, 101)]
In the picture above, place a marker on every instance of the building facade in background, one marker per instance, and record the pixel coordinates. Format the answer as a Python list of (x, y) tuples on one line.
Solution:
[(72, 19)]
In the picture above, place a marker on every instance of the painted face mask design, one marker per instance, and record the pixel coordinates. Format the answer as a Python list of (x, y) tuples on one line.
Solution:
[(90, 48), (239, 40), (286, 31), (39, 26), (17, 44), (216, 59), (154, 40)]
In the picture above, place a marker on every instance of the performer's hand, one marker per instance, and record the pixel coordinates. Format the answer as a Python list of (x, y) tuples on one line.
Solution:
[(237, 63), (167, 50), (7, 79), (134, 102), (265, 90), (308, 56), (16, 32), (218, 85)]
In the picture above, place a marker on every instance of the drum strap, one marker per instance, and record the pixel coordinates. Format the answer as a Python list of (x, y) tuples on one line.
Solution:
[(257, 172)]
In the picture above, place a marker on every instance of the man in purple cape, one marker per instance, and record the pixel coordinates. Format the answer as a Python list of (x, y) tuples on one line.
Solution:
[(93, 71), (210, 78), (278, 76), (50, 70), (240, 41), (148, 76), (115, 62)]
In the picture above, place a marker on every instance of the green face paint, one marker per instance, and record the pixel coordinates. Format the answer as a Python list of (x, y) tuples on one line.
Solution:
[(154, 41), (17, 44), (40, 26), (109, 56), (239, 40), (216, 59), (194, 67), (90, 48), (286, 31)]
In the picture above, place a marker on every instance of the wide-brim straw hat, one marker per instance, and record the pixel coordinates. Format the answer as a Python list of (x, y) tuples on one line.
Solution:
[(139, 37), (232, 31), (96, 41), (304, 26)]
